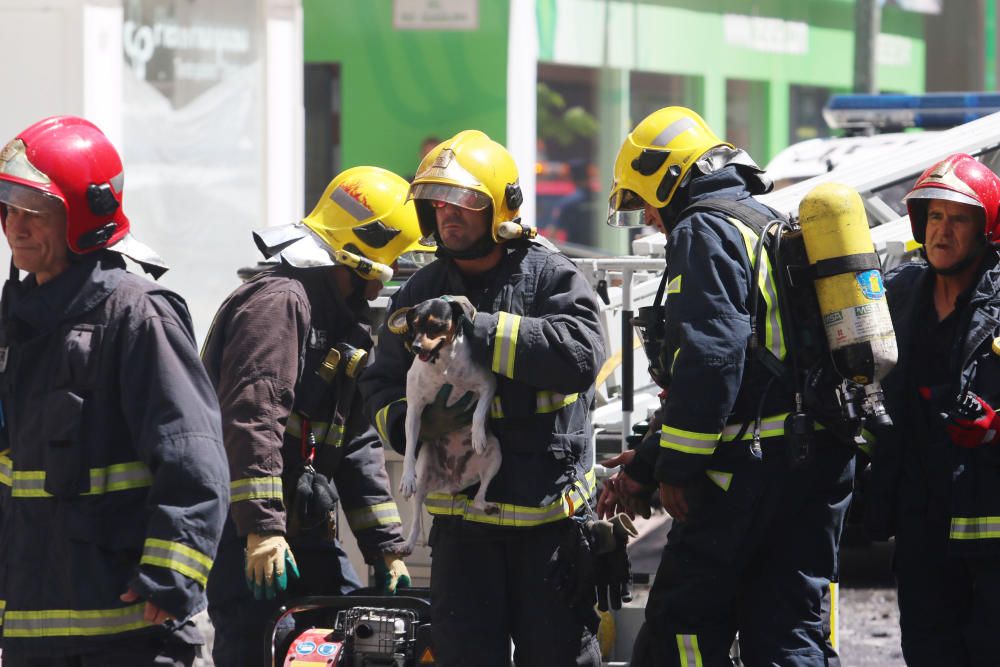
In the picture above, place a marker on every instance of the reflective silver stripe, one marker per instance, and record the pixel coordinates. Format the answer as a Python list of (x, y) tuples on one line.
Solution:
[(688, 442), (549, 401), (975, 528), (687, 649), (773, 335), (324, 432), (116, 477), (5, 467), (720, 479), (672, 131), (255, 488), (354, 208), (382, 421), (178, 557), (505, 344), (383, 514), (73, 622), (442, 504)]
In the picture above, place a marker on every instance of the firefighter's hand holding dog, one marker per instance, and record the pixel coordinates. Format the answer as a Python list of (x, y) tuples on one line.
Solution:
[(269, 562), (439, 418)]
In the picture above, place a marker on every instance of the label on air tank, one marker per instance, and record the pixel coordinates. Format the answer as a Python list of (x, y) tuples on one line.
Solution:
[(870, 283), (858, 324)]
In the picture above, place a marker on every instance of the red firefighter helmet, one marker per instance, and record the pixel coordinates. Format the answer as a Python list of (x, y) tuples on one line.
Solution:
[(70, 159), (959, 178)]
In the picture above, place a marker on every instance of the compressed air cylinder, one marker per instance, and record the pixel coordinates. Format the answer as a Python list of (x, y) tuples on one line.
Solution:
[(848, 283)]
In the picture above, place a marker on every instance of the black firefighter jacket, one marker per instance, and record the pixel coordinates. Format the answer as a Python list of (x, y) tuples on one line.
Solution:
[(537, 328), (715, 386), (266, 343), (112, 472), (960, 485)]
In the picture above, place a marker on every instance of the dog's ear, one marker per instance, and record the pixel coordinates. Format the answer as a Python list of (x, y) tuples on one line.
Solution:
[(460, 307), (401, 322)]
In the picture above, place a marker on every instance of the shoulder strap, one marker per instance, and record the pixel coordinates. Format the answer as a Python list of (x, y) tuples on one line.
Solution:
[(731, 208)]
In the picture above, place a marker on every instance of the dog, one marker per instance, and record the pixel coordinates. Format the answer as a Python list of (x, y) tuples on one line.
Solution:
[(457, 460)]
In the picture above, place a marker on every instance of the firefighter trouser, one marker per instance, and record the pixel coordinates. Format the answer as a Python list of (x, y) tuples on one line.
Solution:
[(949, 604), (488, 587), (242, 623), (755, 556), (159, 648)]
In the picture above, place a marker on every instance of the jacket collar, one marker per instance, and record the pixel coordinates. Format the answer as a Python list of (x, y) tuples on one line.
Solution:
[(75, 291)]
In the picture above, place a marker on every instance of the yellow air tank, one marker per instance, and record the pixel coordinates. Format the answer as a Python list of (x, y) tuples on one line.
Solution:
[(848, 282)]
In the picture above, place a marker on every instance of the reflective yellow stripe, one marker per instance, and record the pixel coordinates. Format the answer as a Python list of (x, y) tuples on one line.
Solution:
[(549, 401), (687, 649), (975, 527), (674, 286), (383, 514), (442, 504), (689, 442), (255, 488), (720, 479), (770, 427), (496, 408), (382, 421), (3, 606), (325, 433), (774, 338), (117, 477), (505, 344), (176, 556), (73, 622), (5, 467)]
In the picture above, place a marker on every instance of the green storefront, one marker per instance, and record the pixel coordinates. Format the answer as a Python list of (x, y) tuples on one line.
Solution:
[(382, 75)]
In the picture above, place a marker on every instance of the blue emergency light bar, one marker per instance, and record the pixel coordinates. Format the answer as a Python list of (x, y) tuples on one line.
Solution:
[(895, 112)]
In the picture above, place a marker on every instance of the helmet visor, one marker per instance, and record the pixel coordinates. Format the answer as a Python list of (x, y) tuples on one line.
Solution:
[(450, 194), (626, 209), (942, 193), (28, 199)]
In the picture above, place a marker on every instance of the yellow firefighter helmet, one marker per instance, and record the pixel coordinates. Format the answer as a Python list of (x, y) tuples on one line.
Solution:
[(654, 160), (472, 171)]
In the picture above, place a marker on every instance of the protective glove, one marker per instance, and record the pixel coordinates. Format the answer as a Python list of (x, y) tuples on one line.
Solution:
[(391, 574), (972, 422), (269, 562), (614, 572), (314, 504), (439, 418), (572, 573)]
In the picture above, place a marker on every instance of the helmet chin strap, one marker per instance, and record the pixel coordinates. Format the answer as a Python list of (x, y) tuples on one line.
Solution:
[(480, 248)]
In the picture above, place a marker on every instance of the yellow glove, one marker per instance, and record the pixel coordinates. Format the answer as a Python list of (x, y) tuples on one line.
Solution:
[(267, 556), (391, 573)]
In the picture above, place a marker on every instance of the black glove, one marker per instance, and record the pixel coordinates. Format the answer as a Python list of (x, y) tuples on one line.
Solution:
[(315, 502), (614, 572), (572, 573), (439, 418)]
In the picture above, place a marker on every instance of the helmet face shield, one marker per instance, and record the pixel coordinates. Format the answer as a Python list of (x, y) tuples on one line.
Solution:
[(28, 199), (626, 209), (450, 194)]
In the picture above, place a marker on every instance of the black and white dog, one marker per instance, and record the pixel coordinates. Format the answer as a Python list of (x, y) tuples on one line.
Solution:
[(463, 457)]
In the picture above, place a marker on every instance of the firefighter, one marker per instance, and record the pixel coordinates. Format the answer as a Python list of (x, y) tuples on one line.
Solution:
[(753, 545), (936, 476), (284, 352), (113, 480), (535, 324)]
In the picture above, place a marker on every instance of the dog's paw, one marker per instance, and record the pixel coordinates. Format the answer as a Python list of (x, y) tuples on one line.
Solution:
[(491, 508), (408, 484), (478, 443)]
